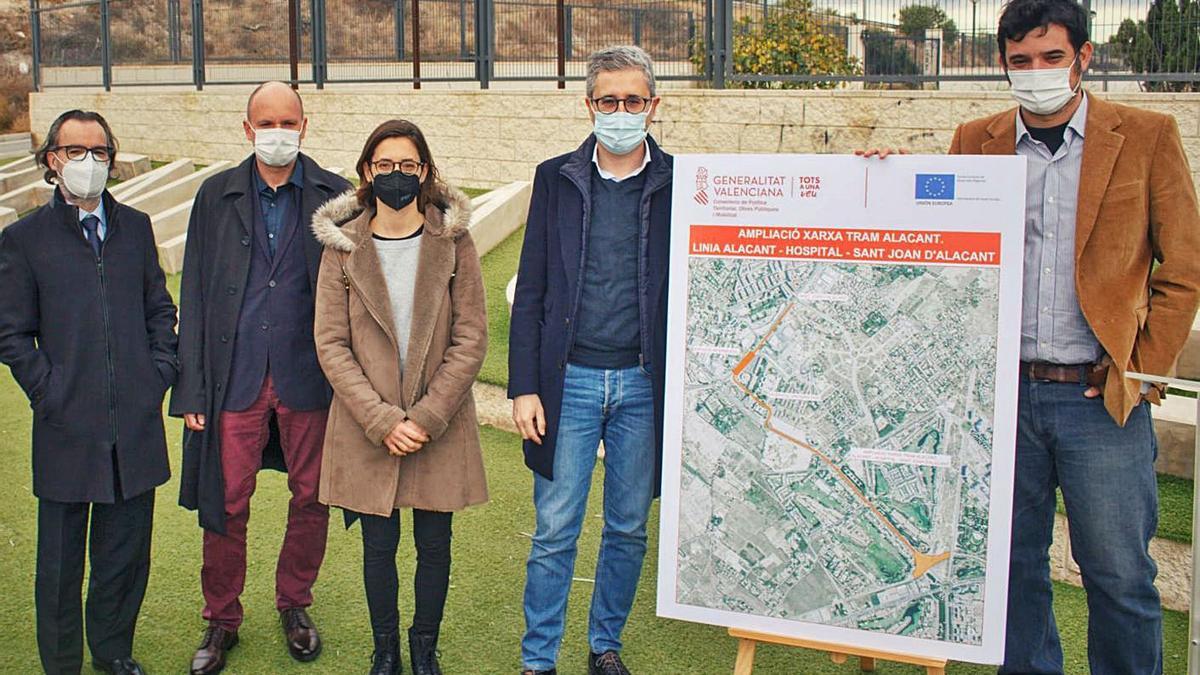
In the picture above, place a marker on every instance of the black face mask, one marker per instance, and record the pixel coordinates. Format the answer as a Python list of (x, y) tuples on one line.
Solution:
[(396, 189)]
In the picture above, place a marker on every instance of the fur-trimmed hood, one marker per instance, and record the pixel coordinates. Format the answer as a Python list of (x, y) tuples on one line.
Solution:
[(339, 223)]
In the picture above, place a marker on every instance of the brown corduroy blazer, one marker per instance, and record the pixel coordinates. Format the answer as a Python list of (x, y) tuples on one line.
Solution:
[(1137, 205)]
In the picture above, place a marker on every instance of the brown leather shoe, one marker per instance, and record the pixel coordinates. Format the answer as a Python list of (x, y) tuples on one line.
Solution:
[(303, 641), (210, 657)]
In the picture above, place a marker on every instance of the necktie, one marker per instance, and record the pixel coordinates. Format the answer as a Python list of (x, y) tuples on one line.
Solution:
[(91, 225)]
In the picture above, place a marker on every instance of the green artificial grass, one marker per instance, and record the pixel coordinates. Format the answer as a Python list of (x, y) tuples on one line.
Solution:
[(499, 266), (483, 624)]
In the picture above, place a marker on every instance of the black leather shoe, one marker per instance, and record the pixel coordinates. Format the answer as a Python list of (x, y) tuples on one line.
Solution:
[(210, 656), (125, 666), (300, 633), (422, 649), (386, 659), (608, 663)]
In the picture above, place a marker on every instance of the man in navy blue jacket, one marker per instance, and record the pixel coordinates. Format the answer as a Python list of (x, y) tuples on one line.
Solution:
[(586, 353), (88, 328)]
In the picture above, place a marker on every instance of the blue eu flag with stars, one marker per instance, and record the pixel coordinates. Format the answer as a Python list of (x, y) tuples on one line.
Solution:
[(935, 186)]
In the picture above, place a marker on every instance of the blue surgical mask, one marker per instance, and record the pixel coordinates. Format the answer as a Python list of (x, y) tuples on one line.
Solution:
[(620, 132)]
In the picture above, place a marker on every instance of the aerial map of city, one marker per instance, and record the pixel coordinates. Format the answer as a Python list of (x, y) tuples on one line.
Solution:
[(837, 442)]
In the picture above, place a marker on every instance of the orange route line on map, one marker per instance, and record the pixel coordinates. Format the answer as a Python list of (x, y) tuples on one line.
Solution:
[(922, 562)]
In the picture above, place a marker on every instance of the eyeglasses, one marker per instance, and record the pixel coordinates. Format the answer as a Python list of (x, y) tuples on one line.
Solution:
[(75, 153), (607, 105), (407, 167)]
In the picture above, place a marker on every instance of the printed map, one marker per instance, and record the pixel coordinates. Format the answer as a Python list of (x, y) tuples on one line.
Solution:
[(837, 442)]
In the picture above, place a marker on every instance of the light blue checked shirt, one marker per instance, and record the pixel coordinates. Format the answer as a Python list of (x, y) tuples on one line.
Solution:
[(1053, 329)]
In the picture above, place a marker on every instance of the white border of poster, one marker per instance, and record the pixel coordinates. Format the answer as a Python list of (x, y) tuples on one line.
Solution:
[(852, 193)]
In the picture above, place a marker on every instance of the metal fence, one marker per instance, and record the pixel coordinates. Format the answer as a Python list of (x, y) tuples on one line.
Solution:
[(1149, 44)]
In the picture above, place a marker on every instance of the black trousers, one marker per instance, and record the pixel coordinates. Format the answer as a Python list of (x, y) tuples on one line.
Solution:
[(119, 550), (381, 538)]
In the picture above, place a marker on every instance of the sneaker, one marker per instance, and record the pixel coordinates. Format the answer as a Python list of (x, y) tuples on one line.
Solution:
[(608, 663)]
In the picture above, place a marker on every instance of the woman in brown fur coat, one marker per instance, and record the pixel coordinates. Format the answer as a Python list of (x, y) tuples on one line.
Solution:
[(401, 331)]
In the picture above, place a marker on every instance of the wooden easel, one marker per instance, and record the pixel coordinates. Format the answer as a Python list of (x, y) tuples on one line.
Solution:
[(748, 642)]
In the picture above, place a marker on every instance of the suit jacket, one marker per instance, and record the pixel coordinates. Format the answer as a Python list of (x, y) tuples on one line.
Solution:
[(92, 343), (216, 268), (1136, 207)]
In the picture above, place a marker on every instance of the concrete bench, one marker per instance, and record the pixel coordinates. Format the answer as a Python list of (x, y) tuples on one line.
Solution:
[(28, 197), (176, 192), (16, 145), (170, 254), (19, 178), (172, 222), (499, 213), (7, 217), (130, 165), (153, 179), (10, 165)]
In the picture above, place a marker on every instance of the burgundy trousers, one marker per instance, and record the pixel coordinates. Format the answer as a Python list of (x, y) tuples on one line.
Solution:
[(244, 435)]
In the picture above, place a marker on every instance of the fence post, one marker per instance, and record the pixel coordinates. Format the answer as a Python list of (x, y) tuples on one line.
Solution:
[(416, 24), (637, 26), (320, 57), (399, 30), (722, 40), (485, 41), (569, 28), (293, 44), (560, 39), (198, 44), (35, 35), (105, 47)]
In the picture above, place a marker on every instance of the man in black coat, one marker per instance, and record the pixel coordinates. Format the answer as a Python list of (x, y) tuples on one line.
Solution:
[(249, 370), (88, 329)]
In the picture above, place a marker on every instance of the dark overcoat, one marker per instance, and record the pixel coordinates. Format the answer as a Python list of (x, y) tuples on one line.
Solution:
[(550, 275), (216, 264), (91, 340)]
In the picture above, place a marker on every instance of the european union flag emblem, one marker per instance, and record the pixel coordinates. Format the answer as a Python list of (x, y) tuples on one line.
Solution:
[(935, 186)]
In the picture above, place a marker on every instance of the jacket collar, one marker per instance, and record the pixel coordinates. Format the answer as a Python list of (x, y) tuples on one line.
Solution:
[(69, 213), (343, 224), (578, 167), (241, 179)]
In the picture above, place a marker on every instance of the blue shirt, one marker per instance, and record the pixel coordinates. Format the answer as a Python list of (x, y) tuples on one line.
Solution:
[(277, 204), (1053, 328)]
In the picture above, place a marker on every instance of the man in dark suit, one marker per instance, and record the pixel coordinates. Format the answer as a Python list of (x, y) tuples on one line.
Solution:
[(88, 328), (249, 364), (1111, 284), (586, 355)]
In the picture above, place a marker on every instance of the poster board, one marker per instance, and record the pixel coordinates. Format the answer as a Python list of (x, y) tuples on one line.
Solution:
[(842, 350)]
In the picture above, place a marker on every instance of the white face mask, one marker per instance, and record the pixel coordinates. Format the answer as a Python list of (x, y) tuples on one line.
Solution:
[(1045, 91), (85, 178), (276, 147)]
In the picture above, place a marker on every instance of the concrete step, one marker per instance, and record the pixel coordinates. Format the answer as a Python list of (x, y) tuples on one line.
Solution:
[(499, 213), (1188, 366), (28, 197), (176, 192), (15, 145), (19, 178), (1175, 428), (18, 163), (172, 222), (130, 165), (7, 217), (155, 178), (170, 254)]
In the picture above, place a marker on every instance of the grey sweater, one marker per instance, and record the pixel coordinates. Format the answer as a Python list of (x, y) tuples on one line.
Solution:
[(398, 260)]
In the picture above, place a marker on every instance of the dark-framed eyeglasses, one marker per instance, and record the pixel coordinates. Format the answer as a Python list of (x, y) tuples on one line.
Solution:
[(76, 153), (607, 105), (407, 167)]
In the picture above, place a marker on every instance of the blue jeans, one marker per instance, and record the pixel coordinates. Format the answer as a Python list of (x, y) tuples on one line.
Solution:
[(1106, 473), (616, 406)]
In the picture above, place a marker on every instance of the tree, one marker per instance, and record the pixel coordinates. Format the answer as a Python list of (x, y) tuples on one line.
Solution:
[(916, 19), (1166, 41), (790, 40)]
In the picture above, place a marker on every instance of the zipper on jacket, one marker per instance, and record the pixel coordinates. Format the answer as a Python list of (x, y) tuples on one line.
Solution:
[(108, 355)]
